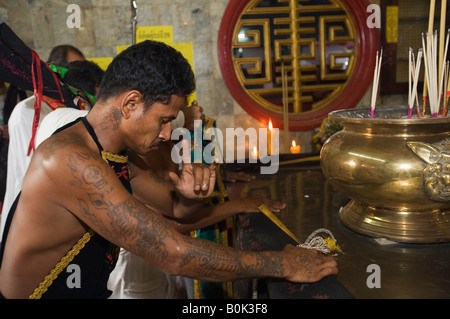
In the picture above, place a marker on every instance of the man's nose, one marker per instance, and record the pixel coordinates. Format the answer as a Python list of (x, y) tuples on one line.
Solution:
[(166, 131)]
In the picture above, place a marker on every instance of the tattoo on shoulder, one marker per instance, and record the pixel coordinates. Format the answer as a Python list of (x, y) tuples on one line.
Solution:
[(86, 174), (58, 142)]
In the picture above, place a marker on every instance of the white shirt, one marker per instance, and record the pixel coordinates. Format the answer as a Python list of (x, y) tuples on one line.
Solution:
[(20, 131), (58, 118)]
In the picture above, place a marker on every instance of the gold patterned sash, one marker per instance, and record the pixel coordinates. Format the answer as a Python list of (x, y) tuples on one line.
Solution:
[(48, 280)]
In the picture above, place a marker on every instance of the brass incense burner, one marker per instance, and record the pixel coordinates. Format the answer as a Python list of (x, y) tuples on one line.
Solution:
[(395, 170)]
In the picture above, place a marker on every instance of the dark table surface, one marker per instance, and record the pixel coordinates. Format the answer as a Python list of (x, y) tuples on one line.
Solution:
[(406, 270), (256, 232)]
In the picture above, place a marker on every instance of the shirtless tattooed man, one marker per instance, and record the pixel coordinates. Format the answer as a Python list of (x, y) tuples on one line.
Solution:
[(76, 205)]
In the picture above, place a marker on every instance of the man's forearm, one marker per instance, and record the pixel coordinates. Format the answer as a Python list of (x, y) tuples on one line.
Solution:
[(184, 207), (146, 234), (205, 260), (206, 216)]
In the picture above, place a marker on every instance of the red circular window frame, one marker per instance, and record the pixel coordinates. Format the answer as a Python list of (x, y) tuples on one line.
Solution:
[(368, 43)]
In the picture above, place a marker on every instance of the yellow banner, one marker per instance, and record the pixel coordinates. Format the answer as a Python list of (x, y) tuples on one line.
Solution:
[(102, 62), (392, 24), (156, 33), (120, 48)]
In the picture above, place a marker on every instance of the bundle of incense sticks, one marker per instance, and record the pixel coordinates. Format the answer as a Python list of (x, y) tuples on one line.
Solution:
[(440, 74), (414, 70), (442, 83), (443, 64), (446, 80), (434, 79), (376, 80), (285, 97)]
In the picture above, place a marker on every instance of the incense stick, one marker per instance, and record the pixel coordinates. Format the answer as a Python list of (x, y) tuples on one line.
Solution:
[(430, 29), (410, 72), (441, 87), (414, 74), (431, 71), (435, 78), (416, 66), (285, 95), (445, 96), (442, 55), (444, 112), (376, 79)]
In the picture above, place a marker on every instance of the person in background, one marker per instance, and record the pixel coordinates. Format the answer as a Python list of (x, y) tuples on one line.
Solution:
[(83, 75), (62, 55)]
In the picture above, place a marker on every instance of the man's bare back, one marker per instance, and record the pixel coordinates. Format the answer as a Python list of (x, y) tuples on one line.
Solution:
[(51, 229)]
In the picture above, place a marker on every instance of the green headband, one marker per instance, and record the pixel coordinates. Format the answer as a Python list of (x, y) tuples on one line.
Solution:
[(62, 73)]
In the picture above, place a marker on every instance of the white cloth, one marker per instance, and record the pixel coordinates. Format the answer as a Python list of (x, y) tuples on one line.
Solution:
[(135, 278), (55, 120), (20, 131)]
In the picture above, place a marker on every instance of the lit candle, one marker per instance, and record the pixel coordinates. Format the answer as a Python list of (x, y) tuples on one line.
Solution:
[(269, 137), (255, 153), (295, 149)]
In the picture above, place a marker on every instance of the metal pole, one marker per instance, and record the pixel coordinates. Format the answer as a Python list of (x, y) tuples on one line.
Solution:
[(134, 19)]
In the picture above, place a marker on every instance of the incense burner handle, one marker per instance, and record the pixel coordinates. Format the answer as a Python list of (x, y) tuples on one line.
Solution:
[(436, 174)]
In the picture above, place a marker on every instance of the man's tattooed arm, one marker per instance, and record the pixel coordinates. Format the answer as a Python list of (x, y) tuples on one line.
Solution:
[(105, 206), (119, 217)]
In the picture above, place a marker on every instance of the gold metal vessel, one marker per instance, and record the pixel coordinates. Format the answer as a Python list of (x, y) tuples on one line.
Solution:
[(395, 170)]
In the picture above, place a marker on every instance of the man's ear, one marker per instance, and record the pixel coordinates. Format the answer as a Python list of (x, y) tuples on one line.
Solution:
[(130, 101)]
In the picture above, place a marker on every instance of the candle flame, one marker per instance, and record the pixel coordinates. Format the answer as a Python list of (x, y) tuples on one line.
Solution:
[(293, 143), (270, 125)]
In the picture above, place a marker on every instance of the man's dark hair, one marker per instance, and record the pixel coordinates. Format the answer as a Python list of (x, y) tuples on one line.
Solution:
[(58, 55), (84, 75), (153, 68)]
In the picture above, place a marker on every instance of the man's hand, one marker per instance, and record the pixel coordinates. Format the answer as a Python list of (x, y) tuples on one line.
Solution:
[(196, 180), (307, 265), (192, 113)]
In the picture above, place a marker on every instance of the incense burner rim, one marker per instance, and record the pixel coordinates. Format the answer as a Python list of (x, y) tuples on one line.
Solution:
[(385, 115)]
